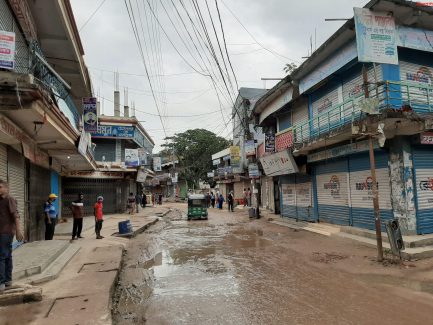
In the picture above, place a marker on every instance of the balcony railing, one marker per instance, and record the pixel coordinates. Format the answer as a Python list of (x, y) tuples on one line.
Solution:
[(48, 78), (384, 95)]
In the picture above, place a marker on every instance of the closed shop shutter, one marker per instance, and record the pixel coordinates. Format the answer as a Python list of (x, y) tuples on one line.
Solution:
[(322, 105), (3, 162), (304, 204), (16, 180), (39, 189), (238, 190), (416, 73), (288, 203), (361, 189), (353, 88), (332, 192), (423, 165), (300, 118)]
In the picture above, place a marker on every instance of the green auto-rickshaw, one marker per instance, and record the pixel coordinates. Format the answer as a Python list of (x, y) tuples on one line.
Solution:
[(197, 206)]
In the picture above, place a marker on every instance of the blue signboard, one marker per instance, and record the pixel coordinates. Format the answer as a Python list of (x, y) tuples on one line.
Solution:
[(114, 131)]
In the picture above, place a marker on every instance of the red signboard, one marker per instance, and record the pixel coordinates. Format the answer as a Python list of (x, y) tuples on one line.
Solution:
[(426, 138)]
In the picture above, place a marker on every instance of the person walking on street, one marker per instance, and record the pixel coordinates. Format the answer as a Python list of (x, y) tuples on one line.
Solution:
[(245, 197), (220, 202), (131, 203), (77, 208), (249, 197), (9, 227), (230, 201), (50, 216), (99, 216), (212, 199), (137, 202)]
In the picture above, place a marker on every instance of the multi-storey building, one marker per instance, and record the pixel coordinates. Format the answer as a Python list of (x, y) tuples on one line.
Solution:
[(326, 111)]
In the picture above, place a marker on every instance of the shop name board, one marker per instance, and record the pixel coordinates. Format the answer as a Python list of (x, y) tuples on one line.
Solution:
[(269, 142), (376, 36), (7, 50), (280, 163), (30, 149), (341, 151), (95, 174), (253, 170), (114, 131)]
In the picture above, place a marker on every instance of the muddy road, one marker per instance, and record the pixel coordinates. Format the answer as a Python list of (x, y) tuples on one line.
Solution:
[(230, 270)]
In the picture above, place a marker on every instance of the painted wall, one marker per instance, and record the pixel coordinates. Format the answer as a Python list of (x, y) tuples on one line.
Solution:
[(402, 185)]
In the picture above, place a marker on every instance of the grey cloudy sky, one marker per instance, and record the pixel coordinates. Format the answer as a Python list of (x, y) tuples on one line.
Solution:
[(282, 26)]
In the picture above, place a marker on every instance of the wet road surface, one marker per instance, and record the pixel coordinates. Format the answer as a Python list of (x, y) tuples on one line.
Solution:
[(230, 270)]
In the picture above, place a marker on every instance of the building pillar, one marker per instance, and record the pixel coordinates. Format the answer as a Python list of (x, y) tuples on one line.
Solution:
[(402, 184)]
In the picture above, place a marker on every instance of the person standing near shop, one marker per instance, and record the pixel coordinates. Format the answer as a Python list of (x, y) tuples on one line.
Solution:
[(77, 208), (212, 199), (50, 216), (230, 201), (245, 197), (9, 227), (249, 194), (137, 202), (131, 203), (99, 216)]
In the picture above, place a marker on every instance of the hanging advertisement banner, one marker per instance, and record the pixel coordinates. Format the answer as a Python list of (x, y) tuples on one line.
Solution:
[(157, 164), (7, 50), (376, 37), (84, 143), (253, 170), (280, 163), (131, 157), (269, 142), (250, 148), (235, 159), (90, 117), (142, 156), (141, 175)]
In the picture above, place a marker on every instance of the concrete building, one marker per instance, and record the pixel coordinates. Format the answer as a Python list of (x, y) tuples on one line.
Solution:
[(326, 110), (42, 82), (231, 176)]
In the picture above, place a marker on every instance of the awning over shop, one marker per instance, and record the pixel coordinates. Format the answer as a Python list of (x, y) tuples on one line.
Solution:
[(280, 163)]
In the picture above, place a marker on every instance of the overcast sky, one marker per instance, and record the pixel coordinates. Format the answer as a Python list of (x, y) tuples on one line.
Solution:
[(281, 26)]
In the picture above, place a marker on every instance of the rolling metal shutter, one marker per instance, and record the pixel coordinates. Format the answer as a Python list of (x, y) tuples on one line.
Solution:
[(323, 104), (39, 189), (288, 201), (332, 192), (303, 190), (423, 166), (416, 73), (300, 117), (9, 24), (16, 180), (3, 162), (361, 190), (353, 87)]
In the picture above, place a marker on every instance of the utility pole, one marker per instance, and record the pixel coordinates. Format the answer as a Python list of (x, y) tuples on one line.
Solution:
[(373, 177)]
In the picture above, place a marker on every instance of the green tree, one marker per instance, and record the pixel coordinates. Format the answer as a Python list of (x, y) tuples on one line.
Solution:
[(290, 67), (194, 149)]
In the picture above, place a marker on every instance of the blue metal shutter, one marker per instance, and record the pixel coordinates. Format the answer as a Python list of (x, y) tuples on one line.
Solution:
[(304, 205), (332, 192), (361, 190), (423, 167), (288, 198)]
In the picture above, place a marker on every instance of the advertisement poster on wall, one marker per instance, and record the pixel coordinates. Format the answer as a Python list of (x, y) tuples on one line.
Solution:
[(376, 37), (157, 164), (250, 148), (269, 142), (141, 176), (142, 156), (90, 117), (7, 50), (131, 157)]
